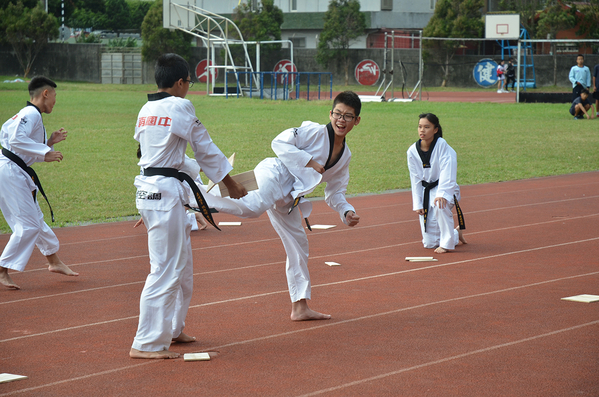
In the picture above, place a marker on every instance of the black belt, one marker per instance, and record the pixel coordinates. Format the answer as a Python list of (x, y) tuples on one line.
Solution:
[(19, 161), (295, 203), (425, 204), (182, 176)]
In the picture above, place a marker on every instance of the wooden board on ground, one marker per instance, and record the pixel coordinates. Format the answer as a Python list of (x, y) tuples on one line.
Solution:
[(196, 357), (585, 298), (322, 227), (5, 378), (332, 263)]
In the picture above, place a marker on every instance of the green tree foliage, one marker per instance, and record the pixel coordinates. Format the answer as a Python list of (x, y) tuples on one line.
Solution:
[(528, 10), (28, 31), (138, 9), (158, 41), (589, 22), (26, 3), (88, 14), (258, 25), (343, 23), (553, 19), (452, 19), (117, 15)]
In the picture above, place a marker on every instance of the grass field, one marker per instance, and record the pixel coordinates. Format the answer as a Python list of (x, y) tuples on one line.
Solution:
[(494, 142)]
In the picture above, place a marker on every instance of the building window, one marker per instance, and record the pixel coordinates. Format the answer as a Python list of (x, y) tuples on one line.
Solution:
[(433, 4), (298, 42), (293, 5), (386, 5)]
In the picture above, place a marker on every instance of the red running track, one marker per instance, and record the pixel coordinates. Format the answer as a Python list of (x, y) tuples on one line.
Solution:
[(485, 320)]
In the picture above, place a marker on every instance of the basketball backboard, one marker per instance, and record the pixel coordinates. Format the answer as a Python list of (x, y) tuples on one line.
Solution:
[(502, 26), (176, 14)]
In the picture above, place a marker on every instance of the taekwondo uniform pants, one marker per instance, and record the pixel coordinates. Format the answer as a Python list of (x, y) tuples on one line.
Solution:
[(166, 295), (25, 219), (440, 231), (274, 197)]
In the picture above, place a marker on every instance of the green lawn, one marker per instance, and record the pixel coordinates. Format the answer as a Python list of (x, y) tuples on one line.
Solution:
[(494, 142)]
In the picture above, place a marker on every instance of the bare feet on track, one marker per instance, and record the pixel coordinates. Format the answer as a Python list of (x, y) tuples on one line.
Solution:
[(301, 312), (163, 354), (6, 280), (55, 265), (184, 338)]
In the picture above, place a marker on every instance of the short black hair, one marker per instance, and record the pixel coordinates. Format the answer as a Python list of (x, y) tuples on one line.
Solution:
[(37, 83), (584, 91), (169, 69), (580, 55), (350, 99)]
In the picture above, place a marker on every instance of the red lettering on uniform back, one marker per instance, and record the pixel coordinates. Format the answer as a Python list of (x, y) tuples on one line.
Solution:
[(151, 120), (164, 121), (141, 122)]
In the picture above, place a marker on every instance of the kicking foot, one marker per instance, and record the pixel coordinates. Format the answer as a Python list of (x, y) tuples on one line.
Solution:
[(6, 280), (134, 353), (202, 225), (184, 338), (440, 250), (301, 312), (55, 265), (461, 235)]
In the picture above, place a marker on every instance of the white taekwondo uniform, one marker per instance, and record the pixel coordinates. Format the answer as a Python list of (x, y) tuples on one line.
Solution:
[(283, 179), (164, 127), (442, 167), (24, 135)]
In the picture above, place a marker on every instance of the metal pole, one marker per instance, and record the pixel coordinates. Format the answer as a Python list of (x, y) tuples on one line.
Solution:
[(62, 11), (420, 69), (392, 51), (518, 75)]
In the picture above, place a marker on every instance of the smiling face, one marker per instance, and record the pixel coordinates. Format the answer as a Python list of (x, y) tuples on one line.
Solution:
[(426, 131), (343, 119)]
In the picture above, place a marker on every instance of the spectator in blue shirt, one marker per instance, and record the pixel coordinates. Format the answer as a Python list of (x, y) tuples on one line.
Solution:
[(580, 76)]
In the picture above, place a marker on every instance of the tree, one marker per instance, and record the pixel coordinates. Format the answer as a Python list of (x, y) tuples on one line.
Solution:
[(28, 31), (139, 9), (589, 22), (158, 40), (528, 10), (117, 15), (452, 18), (263, 24), (552, 20), (343, 23)]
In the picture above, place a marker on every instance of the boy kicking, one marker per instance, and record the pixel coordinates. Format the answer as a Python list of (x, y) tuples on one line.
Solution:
[(24, 142), (165, 125), (306, 157)]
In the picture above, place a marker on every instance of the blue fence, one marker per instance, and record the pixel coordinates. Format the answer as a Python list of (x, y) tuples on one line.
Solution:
[(279, 85)]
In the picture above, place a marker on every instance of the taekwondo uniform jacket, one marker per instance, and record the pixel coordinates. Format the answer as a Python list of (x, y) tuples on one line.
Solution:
[(165, 125), (295, 147), (443, 168), (24, 135)]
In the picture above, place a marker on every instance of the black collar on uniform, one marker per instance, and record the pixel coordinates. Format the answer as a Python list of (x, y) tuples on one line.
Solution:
[(31, 104), (426, 156), (158, 95), (331, 132)]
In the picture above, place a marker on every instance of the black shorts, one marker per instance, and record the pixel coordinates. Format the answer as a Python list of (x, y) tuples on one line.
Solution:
[(596, 95)]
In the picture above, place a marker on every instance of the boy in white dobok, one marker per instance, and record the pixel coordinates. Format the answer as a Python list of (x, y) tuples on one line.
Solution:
[(24, 142), (306, 156), (165, 125), (433, 169)]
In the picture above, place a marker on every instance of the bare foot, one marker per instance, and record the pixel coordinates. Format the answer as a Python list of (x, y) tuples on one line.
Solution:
[(301, 312), (6, 280), (184, 338), (440, 250), (134, 353), (202, 225), (461, 235), (55, 265)]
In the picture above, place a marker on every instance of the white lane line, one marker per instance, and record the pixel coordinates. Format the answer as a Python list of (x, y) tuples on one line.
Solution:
[(451, 358), (349, 384)]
